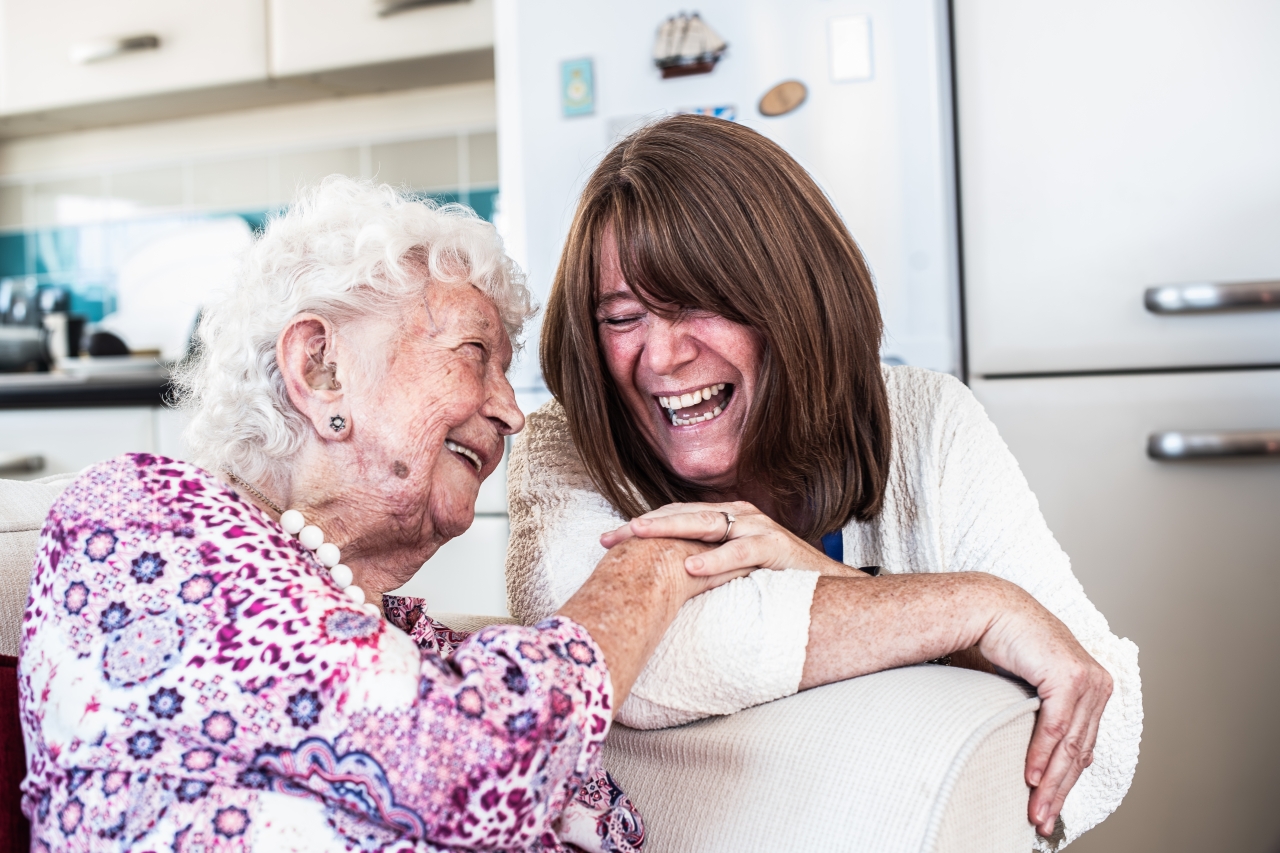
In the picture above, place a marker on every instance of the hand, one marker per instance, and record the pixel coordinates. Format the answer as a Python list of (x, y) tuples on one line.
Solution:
[(755, 541), (1030, 642), (632, 597)]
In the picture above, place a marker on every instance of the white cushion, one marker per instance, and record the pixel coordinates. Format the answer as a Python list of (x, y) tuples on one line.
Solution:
[(23, 508)]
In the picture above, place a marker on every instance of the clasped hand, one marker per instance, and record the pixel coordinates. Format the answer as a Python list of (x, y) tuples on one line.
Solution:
[(1009, 627), (755, 541)]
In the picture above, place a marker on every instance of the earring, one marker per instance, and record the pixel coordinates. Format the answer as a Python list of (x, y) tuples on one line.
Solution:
[(337, 423)]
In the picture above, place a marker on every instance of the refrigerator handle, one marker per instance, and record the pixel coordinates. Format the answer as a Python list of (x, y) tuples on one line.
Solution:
[(1204, 297), (1177, 444)]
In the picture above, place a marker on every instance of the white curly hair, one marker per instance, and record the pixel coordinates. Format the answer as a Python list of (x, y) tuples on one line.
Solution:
[(352, 252)]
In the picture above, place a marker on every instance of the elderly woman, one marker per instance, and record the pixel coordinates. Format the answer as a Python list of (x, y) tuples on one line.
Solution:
[(210, 661), (712, 341)]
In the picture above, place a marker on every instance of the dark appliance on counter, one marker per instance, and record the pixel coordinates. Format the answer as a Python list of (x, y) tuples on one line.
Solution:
[(36, 326)]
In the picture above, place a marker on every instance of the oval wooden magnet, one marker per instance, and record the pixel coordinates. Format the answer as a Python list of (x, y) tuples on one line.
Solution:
[(783, 98)]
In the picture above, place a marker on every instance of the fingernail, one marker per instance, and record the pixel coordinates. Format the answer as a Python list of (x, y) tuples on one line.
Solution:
[(1036, 776), (641, 522), (693, 564)]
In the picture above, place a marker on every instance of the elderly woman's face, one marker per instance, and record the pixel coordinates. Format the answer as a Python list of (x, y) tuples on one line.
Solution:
[(435, 424), (688, 383)]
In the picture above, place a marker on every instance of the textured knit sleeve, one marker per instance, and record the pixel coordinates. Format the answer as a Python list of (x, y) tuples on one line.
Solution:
[(736, 646), (990, 521)]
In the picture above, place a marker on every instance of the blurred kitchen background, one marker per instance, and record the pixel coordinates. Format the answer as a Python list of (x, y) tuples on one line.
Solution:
[(1074, 206)]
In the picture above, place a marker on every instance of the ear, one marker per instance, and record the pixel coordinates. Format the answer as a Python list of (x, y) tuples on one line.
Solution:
[(307, 355)]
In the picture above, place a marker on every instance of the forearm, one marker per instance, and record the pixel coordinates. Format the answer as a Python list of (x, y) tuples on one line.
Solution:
[(629, 602), (863, 625)]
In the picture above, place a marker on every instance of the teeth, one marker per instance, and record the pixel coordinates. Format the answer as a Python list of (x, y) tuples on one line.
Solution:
[(676, 420), (684, 401), (467, 452)]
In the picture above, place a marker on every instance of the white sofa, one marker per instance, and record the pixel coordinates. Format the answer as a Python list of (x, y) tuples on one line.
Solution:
[(925, 759)]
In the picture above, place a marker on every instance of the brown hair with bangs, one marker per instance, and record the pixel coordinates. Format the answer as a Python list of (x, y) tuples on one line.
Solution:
[(713, 216)]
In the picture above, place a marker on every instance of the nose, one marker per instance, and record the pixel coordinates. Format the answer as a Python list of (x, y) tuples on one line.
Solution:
[(668, 346), (500, 406)]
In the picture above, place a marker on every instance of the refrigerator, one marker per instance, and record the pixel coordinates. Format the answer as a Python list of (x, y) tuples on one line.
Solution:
[(874, 128), (1120, 204)]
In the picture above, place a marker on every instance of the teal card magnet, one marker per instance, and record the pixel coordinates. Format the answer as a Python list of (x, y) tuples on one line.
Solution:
[(577, 88)]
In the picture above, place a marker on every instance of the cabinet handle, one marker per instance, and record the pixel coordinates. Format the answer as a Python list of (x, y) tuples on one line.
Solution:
[(97, 51), (20, 463), (1207, 296), (387, 8), (1176, 444)]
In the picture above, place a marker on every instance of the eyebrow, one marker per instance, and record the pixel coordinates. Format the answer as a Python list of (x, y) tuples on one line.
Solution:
[(616, 296)]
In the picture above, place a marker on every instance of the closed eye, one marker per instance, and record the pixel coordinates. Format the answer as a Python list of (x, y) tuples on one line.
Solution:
[(620, 321)]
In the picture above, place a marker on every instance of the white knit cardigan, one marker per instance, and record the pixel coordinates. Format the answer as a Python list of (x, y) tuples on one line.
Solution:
[(955, 501)]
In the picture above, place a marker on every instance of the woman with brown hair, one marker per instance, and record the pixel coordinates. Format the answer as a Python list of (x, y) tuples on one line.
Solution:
[(712, 341)]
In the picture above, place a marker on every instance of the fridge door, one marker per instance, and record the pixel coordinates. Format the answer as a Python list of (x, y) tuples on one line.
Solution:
[(1105, 149), (875, 130), (1182, 557)]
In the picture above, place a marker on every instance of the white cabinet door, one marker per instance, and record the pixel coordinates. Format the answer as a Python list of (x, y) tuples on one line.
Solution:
[(1184, 559), (201, 43), (316, 35), (71, 439), (1109, 147)]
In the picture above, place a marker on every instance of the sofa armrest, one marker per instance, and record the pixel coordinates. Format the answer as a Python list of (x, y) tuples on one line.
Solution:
[(925, 759), (468, 622)]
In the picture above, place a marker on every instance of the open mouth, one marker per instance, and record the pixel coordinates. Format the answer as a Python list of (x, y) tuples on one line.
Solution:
[(697, 406), (465, 452)]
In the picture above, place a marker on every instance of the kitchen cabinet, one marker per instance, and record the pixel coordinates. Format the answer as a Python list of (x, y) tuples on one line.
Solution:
[(71, 439), (1107, 148), (309, 36), (198, 44), (1182, 558)]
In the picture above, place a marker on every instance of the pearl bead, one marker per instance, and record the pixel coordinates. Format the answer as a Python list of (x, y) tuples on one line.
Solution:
[(328, 555), (341, 575), (311, 537)]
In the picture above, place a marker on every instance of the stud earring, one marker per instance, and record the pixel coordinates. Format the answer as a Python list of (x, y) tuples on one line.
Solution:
[(337, 423)]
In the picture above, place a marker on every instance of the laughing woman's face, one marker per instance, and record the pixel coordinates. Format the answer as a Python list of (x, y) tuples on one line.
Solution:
[(688, 382)]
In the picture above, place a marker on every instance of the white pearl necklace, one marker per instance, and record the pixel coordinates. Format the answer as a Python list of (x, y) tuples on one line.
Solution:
[(312, 538)]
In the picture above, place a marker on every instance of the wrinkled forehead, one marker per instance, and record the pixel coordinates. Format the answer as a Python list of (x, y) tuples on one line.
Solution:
[(460, 311)]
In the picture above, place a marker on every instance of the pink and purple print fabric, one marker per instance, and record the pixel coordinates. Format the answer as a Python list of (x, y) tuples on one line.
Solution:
[(191, 680)]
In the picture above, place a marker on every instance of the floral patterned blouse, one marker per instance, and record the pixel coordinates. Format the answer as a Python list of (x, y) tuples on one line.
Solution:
[(191, 680)]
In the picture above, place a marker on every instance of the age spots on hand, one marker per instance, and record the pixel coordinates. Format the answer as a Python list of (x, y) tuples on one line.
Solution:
[(401, 469)]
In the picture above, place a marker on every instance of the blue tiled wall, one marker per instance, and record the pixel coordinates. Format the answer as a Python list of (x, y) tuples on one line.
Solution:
[(85, 259)]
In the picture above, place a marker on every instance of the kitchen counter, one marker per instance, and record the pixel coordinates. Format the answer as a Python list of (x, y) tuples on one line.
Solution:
[(62, 390)]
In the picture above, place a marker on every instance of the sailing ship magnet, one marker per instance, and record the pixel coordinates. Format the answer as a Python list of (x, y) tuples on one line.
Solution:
[(686, 45)]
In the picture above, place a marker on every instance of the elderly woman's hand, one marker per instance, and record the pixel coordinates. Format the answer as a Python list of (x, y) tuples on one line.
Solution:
[(755, 541), (648, 575)]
